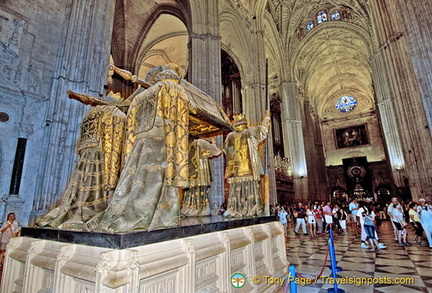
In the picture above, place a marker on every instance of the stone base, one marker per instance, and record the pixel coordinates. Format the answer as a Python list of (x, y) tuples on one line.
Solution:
[(194, 263)]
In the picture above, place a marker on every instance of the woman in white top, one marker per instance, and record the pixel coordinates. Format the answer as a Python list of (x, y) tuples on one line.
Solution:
[(311, 222), (283, 219), (400, 224), (9, 229)]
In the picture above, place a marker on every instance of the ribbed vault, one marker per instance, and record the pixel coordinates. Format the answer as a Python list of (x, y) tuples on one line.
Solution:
[(333, 61)]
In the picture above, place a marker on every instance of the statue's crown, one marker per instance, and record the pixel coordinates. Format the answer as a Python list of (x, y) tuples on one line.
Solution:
[(239, 119)]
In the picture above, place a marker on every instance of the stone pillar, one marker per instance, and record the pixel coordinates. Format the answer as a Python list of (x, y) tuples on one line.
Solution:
[(82, 64), (292, 130), (415, 16), (400, 88), (318, 184), (388, 122), (205, 73)]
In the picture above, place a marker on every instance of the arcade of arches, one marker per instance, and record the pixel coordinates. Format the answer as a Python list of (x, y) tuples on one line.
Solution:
[(348, 84)]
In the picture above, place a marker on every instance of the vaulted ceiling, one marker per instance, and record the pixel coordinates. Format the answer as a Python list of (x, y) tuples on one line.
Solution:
[(332, 62)]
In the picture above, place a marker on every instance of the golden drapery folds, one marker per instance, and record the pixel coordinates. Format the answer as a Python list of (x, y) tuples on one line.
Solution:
[(112, 130), (244, 168), (196, 201), (241, 150), (96, 172), (172, 106), (175, 112)]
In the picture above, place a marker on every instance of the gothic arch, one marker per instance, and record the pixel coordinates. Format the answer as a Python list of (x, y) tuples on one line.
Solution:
[(129, 34), (140, 50), (234, 41)]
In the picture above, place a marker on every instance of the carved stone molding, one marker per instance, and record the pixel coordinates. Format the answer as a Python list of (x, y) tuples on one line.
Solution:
[(23, 129), (106, 263)]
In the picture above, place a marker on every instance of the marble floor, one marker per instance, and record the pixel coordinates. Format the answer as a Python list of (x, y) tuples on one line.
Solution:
[(408, 266)]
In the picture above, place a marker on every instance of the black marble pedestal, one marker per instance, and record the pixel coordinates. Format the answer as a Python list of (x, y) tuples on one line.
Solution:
[(190, 226)]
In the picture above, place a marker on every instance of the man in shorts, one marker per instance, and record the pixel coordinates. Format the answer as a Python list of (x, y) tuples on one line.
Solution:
[(328, 216), (394, 201)]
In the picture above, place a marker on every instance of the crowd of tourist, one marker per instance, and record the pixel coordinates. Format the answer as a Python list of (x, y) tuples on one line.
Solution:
[(365, 217)]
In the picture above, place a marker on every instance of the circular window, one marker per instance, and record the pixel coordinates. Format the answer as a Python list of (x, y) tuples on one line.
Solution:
[(4, 117), (346, 104)]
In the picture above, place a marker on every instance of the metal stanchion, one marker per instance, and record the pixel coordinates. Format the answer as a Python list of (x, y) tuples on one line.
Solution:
[(333, 267), (293, 285), (290, 282)]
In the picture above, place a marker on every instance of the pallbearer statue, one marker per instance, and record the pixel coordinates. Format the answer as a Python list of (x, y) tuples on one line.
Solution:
[(196, 200), (147, 194), (98, 167), (244, 167)]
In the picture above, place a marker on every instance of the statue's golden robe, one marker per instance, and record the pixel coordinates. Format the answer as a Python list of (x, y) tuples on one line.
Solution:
[(156, 165), (244, 169), (196, 201), (96, 172)]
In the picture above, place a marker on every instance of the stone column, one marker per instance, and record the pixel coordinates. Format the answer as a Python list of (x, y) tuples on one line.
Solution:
[(292, 130), (205, 73), (400, 88), (317, 181), (82, 64), (415, 15), (388, 122)]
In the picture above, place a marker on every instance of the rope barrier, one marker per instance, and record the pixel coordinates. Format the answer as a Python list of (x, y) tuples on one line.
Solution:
[(331, 251), (322, 270)]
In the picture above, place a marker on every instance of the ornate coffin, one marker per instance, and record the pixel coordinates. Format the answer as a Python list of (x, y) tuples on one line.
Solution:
[(206, 115)]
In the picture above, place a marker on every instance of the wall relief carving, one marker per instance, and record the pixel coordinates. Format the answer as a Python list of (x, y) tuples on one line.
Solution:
[(11, 30)]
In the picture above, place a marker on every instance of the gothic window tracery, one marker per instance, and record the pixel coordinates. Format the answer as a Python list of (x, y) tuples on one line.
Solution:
[(325, 15)]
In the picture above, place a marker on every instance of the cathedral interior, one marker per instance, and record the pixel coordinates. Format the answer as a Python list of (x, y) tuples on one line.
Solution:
[(348, 84)]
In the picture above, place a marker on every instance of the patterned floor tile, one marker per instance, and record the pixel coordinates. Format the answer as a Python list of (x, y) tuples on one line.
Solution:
[(362, 266), (395, 270), (400, 288)]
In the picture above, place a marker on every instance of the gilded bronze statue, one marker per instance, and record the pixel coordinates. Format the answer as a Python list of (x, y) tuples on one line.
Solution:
[(196, 201), (98, 167), (156, 151), (243, 169)]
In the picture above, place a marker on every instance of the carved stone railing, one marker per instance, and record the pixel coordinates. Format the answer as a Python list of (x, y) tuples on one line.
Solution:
[(201, 263)]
